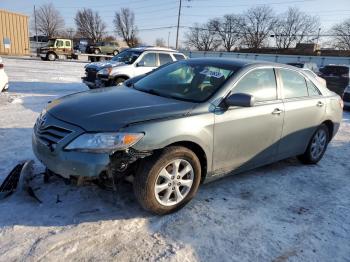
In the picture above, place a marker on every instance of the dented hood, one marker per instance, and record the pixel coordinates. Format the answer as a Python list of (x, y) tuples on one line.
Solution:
[(109, 109)]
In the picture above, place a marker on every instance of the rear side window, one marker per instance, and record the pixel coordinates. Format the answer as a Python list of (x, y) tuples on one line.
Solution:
[(149, 59), (164, 59), (260, 83), (179, 57), (294, 84), (68, 43), (312, 89)]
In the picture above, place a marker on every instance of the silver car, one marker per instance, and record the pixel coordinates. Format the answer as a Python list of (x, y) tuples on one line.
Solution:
[(187, 123)]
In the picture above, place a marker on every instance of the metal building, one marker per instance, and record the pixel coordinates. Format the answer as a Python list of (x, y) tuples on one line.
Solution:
[(14, 33)]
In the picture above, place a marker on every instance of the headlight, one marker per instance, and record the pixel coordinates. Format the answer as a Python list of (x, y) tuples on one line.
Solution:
[(105, 71), (104, 142)]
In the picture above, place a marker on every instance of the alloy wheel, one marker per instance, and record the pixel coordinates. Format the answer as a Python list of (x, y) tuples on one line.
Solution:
[(174, 182), (318, 143)]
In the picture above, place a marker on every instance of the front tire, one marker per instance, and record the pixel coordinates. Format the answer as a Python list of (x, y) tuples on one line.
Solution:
[(317, 146), (51, 57), (167, 181), (97, 51), (118, 81)]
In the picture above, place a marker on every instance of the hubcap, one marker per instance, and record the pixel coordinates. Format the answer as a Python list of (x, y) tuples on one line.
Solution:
[(174, 182), (318, 143)]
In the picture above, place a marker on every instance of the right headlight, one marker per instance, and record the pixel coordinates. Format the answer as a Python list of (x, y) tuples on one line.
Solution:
[(105, 71), (104, 142)]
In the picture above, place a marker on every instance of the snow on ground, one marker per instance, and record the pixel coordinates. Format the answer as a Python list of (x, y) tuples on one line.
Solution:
[(283, 212)]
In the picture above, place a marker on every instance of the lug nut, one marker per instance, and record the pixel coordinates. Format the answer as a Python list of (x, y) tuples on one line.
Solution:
[(178, 177), (173, 188), (172, 177), (169, 184), (179, 184)]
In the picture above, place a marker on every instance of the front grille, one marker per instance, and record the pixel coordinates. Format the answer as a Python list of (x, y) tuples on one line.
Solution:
[(49, 134), (90, 75), (346, 97)]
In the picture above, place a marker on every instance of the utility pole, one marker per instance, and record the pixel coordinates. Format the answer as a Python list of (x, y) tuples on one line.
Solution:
[(178, 25), (168, 39), (36, 29), (318, 36)]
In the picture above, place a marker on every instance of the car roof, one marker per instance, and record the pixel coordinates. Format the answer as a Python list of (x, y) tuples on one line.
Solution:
[(239, 62), (153, 48), (343, 65)]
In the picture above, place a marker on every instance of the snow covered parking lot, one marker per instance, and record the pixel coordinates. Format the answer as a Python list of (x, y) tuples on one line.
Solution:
[(282, 212)]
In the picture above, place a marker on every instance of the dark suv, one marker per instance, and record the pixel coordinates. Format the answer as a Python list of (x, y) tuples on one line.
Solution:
[(337, 77)]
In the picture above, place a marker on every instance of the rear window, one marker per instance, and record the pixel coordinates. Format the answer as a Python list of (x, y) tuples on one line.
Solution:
[(335, 70), (296, 65)]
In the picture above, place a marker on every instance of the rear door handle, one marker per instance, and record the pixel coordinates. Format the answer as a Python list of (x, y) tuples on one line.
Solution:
[(277, 111), (320, 104)]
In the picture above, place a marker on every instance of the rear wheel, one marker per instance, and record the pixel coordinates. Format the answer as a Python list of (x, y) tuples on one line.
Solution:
[(317, 146), (167, 181), (115, 52), (97, 51)]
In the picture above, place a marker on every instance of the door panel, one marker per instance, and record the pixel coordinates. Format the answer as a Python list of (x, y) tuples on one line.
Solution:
[(247, 137), (301, 119)]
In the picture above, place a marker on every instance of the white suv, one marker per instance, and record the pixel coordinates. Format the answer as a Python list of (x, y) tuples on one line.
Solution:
[(3, 78), (127, 64)]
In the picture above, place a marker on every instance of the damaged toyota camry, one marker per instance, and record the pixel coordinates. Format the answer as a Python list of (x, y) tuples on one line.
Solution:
[(187, 123)]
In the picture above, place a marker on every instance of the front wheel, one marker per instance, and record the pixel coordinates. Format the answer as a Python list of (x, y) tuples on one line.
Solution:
[(168, 180), (317, 146), (97, 51), (115, 52), (51, 57)]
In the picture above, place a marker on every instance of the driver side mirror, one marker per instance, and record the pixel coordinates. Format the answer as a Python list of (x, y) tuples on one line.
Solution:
[(240, 99), (141, 63)]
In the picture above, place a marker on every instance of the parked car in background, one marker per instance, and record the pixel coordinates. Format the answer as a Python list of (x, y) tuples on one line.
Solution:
[(337, 77), (57, 48), (127, 64), (306, 65), (4, 81), (346, 98), (104, 48), (188, 122)]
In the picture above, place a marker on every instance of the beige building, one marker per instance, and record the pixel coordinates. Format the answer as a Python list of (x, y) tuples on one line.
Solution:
[(14, 33)]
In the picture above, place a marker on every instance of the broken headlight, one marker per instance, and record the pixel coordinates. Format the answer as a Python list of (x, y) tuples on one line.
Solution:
[(104, 142)]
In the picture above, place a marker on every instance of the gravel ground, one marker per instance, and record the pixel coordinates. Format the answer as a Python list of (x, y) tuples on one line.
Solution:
[(282, 212)]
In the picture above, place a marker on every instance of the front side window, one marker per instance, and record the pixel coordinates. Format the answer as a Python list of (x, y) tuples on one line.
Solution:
[(59, 43), (149, 60), (186, 80), (179, 57), (127, 56), (294, 84), (260, 83), (164, 59)]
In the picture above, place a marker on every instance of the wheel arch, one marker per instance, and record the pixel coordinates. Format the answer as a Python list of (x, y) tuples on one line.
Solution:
[(126, 77), (330, 126), (200, 153)]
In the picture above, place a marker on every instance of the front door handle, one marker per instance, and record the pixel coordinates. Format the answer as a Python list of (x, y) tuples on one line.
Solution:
[(320, 104), (277, 111)]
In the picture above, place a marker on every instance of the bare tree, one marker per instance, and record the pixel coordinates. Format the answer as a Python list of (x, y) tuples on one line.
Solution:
[(90, 25), (49, 21), (124, 24), (203, 37), (257, 25), (293, 27), (229, 30), (341, 35), (160, 42)]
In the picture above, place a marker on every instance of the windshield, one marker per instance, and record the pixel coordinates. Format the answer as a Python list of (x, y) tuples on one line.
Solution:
[(51, 43), (193, 81), (127, 56)]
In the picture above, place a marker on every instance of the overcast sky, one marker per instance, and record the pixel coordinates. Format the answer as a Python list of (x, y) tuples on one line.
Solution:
[(162, 13)]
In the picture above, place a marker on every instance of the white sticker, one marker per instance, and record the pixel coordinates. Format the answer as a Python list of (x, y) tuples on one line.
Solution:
[(209, 73)]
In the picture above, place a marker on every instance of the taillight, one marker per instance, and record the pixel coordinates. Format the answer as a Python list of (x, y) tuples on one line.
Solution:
[(1, 66)]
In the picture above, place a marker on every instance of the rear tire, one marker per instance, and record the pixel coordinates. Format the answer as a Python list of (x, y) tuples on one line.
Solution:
[(97, 51), (180, 182), (317, 146), (115, 52)]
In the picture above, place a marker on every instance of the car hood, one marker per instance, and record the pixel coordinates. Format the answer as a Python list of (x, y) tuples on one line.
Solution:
[(109, 109), (100, 65)]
